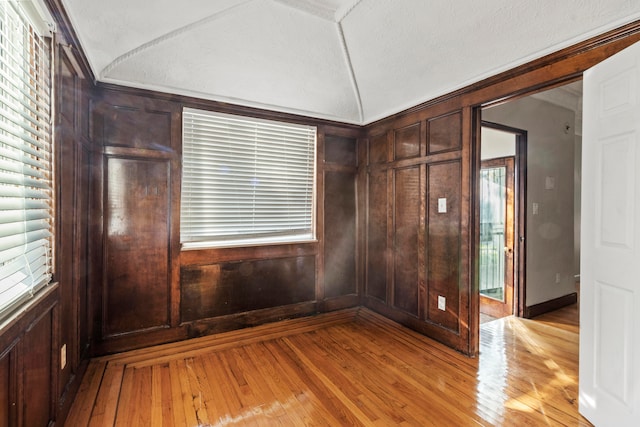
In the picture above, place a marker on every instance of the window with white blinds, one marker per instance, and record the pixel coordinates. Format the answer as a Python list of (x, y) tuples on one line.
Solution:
[(246, 181), (25, 158)]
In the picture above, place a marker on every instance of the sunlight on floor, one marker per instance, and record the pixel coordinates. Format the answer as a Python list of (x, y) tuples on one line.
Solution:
[(498, 370)]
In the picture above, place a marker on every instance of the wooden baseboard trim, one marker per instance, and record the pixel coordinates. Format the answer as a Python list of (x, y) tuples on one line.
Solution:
[(551, 305)]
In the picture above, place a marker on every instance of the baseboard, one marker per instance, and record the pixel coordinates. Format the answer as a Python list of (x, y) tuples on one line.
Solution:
[(551, 305)]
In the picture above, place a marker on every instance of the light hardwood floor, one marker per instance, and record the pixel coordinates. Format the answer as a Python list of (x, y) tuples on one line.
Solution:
[(351, 367)]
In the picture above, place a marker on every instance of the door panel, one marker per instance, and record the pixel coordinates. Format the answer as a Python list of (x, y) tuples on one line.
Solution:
[(497, 216), (610, 250), (136, 290)]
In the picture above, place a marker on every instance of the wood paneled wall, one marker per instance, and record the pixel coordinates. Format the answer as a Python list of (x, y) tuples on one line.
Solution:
[(73, 152), (415, 250), (29, 363), (146, 289)]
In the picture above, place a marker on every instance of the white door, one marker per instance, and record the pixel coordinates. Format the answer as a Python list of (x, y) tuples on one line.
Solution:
[(610, 272)]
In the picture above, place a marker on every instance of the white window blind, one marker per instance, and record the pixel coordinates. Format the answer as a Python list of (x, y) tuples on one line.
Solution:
[(245, 180), (25, 158)]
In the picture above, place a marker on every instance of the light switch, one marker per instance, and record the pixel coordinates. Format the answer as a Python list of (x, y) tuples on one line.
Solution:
[(535, 208), (550, 183), (442, 303), (442, 205), (63, 356)]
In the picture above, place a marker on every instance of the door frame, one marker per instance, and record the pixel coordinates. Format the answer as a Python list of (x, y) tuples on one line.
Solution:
[(553, 70), (520, 185)]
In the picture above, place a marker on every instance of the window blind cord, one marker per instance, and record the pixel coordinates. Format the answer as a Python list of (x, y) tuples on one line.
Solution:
[(24, 249)]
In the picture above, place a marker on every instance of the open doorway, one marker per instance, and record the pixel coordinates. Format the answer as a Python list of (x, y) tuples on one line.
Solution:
[(501, 194), (547, 200)]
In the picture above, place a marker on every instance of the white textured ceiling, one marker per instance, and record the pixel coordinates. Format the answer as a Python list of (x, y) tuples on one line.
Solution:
[(354, 61)]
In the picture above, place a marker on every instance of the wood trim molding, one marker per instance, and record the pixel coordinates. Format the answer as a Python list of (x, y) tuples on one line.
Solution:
[(223, 107), (70, 39), (551, 305)]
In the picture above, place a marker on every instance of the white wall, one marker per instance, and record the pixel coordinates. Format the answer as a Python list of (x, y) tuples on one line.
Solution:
[(550, 163), (496, 144)]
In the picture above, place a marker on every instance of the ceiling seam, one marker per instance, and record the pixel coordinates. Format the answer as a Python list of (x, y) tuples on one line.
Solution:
[(243, 102), (352, 76), (347, 11), (309, 8), (120, 59)]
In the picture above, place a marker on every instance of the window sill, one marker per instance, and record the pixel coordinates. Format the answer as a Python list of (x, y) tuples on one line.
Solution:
[(191, 246), (26, 311)]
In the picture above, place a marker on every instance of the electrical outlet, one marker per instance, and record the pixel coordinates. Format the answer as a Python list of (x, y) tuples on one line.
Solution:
[(535, 208), (442, 303), (63, 357), (557, 277)]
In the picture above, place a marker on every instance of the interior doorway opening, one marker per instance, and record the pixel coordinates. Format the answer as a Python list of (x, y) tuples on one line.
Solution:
[(547, 128), (499, 225)]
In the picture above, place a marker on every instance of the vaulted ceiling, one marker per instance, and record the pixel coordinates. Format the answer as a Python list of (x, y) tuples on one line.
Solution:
[(353, 61)]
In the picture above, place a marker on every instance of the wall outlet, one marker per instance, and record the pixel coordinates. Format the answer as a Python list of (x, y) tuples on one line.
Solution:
[(442, 303), (557, 277), (535, 208), (63, 357)]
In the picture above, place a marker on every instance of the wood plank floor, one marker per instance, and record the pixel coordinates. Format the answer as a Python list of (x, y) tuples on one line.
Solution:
[(346, 368)]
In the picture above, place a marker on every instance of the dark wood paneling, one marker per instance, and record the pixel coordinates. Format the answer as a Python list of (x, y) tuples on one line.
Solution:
[(222, 289), (443, 133), (443, 244), (339, 234), (37, 373), (405, 250), (377, 236), (82, 256), (244, 253), (68, 91), (122, 140), (132, 127), (71, 147), (378, 149), (6, 398), (420, 257), (340, 150), (406, 142), (137, 209), (65, 230)]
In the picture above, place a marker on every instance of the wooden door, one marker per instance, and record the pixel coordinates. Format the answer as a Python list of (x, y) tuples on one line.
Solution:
[(610, 247), (497, 225)]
